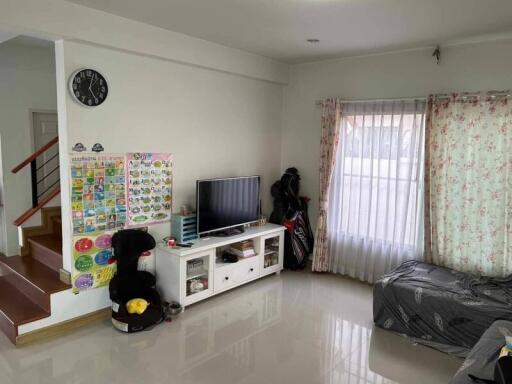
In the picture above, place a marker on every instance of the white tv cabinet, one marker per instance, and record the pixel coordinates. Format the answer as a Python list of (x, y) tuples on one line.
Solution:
[(180, 272)]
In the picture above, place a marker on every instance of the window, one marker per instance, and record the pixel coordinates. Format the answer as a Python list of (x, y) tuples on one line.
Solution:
[(375, 191)]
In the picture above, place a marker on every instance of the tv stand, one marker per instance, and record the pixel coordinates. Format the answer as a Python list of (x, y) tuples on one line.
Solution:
[(227, 232), (189, 275)]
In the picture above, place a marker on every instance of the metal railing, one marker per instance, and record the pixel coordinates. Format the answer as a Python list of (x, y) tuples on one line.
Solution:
[(44, 186), (36, 195)]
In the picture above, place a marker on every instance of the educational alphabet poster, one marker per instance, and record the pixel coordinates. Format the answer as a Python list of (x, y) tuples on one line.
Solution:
[(92, 261), (98, 192), (149, 188)]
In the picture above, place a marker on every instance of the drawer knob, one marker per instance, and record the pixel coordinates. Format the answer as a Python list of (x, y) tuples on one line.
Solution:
[(251, 270), (227, 278)]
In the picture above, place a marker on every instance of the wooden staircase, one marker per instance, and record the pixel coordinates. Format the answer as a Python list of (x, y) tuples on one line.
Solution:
[(27, 281)]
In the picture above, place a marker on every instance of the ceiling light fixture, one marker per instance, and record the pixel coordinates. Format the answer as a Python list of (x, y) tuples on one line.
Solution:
[(313, 41)]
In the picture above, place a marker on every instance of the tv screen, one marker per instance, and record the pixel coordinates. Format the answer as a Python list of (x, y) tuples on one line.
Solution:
[(225, 203)]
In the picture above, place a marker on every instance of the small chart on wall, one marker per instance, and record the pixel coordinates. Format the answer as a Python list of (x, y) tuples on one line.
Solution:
[(93, 265), (149, 188), (98, 192)]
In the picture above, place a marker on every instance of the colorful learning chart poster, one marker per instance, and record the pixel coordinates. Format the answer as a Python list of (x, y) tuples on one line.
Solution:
[(98, 192), (149, 188), (92, 261)]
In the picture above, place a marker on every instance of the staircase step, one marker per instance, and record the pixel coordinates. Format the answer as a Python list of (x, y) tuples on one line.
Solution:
[(57, 226), (47, 249), (33, 278), (16, 309)]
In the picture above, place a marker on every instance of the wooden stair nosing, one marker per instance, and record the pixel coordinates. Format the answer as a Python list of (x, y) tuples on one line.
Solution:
[(47, 227), (31, 211), (16, 309), (34, 272), (34, 293), (7, 327), (47, 249)]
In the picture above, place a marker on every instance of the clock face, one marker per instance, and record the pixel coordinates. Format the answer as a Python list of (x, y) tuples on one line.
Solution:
[(88, 87)]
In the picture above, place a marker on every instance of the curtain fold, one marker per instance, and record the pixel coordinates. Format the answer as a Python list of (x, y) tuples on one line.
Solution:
[(331, 116), (468, 180), (374, 203)]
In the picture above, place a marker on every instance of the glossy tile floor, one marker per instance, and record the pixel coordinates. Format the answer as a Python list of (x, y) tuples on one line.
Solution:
[(293, 328)]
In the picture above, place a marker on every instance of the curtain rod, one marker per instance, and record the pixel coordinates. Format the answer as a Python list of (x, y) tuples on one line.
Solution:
[(441, 96), (319, 102), (465, 95)]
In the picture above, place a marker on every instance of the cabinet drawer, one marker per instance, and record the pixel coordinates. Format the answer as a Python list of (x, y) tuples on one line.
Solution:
[(224, 279), (248, 270)]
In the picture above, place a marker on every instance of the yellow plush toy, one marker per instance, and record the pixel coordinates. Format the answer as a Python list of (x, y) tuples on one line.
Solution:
[(137, 306)]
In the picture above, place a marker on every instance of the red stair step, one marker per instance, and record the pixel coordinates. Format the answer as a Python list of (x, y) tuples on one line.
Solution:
[(33, 278), (47, 249), (16, 309)]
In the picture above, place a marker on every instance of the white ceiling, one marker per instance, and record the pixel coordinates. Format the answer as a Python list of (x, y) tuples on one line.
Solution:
[(31, 42), (278, 28)]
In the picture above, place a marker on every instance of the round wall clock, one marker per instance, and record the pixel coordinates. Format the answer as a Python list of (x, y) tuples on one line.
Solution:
[(88, 87)]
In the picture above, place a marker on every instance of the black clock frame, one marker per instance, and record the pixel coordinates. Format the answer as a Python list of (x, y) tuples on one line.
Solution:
[(88, 87)]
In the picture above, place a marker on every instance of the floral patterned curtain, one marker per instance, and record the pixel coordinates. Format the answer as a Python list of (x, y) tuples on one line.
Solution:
[(468, 180), (331, 116)]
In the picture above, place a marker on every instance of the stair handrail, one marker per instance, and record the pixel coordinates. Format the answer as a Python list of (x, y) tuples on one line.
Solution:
[(39, 200), (32, 211), (37, 153)]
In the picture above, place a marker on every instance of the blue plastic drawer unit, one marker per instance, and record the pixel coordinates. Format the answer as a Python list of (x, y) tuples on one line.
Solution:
[(183, 228)]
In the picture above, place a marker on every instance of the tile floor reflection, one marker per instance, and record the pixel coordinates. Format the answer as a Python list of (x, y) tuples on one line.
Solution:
[(293, 328)]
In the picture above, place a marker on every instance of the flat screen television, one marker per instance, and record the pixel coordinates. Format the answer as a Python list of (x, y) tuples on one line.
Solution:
[(224, 204)]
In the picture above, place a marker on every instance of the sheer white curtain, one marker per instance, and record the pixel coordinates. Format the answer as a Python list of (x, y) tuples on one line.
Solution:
[(375, 202)]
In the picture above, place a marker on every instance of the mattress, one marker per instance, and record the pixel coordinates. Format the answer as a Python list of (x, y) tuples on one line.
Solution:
[(440, 307)]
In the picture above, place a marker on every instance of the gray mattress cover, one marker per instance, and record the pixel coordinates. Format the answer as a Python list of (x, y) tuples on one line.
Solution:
[(440, 307), (482, 358)]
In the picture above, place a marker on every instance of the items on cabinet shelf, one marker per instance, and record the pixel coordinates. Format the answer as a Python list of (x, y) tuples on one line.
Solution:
[(195, 267), (196, 285), (184, 227), (271, 252), (243, 248), (197, 275), (228, 257)]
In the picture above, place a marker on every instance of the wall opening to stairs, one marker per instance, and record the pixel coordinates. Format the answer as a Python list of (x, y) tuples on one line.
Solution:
[(30, 222), (27, 86)]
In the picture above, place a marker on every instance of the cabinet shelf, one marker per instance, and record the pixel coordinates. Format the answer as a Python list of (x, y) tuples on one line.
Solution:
[(196, 292), (221, 264), (181, 271), (196, 275)]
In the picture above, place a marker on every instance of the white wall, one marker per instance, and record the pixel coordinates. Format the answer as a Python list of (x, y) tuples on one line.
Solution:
[(216, 108), (27, 82), (484, 66), (216, 124), (56, 19)]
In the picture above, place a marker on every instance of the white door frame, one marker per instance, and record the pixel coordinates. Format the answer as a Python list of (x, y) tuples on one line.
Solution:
[(31, 113)]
